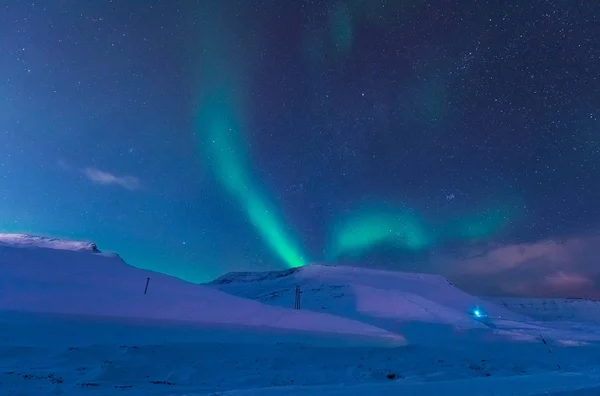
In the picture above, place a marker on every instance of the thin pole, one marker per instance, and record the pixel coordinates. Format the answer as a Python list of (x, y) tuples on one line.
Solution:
[(297, 299), (147, 283)]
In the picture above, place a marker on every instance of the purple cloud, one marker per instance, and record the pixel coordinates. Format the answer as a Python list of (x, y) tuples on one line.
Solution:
[(547, 268)]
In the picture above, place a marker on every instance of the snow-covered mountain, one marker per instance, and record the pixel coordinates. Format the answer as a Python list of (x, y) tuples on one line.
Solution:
[(77, 321), (50, 275), (45, 275), (394, 301)]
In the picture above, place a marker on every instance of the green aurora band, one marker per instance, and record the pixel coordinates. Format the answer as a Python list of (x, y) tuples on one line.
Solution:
[(219, 133), (218, 129), (342, 29), (370, 228)]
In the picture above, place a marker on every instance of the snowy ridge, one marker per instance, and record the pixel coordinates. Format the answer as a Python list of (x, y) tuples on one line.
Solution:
[(238, 277), (23, 240), (553, 308)]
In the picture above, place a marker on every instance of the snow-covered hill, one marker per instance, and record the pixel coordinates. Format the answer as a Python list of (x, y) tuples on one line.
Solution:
[(400, 302), (363, 292), (45, 275), (76, 321)]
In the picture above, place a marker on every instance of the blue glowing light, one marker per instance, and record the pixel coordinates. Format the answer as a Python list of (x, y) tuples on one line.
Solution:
[(478, 313)]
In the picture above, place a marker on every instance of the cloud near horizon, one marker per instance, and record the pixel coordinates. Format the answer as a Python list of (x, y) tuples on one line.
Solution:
[(547, 268), (101, 177)]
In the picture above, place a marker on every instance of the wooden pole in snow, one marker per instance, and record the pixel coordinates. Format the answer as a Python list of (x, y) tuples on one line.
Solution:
[(147, 283)]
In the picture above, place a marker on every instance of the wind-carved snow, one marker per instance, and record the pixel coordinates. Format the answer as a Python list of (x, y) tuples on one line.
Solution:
[(77, 322)]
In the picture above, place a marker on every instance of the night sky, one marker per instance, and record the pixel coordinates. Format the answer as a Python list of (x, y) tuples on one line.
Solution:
[(200, 137)]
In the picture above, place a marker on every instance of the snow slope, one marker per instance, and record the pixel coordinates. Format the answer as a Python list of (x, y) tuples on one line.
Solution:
[(423, 307), (50, 355), (533, 385), (418, 297), (76, 321), (42, 275)]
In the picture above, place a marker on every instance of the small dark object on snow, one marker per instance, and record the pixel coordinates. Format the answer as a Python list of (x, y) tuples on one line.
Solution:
[(89, 385), (162, 383)]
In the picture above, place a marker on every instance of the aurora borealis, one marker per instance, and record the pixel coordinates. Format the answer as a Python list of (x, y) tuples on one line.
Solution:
[(206, 137), (220, 136)]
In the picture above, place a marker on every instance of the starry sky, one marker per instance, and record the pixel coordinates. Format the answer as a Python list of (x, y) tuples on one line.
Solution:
[(200, 137)]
